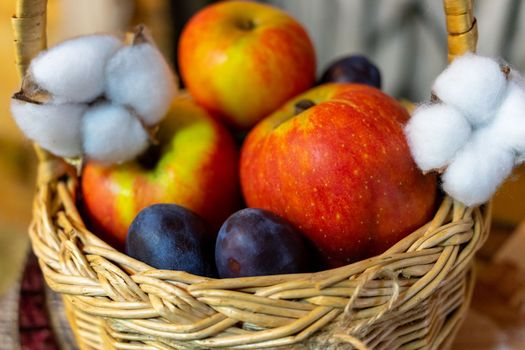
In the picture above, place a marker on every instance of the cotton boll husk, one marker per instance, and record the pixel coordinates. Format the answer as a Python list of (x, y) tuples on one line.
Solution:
[(138, 76), (475, 85), (435, 133), (508, 127), (55, 128), (112, 134), (73, 71), (478, 169)]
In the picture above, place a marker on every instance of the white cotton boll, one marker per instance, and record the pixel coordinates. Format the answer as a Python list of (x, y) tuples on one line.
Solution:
[(138, 76), (54, 127), (508, 127), (515, 77), (478, 170), (73, 71), (475, 85), (435, 133), (111, 134)]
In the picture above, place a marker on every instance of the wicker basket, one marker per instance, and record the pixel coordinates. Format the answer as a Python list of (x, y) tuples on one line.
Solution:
[(412, 296)]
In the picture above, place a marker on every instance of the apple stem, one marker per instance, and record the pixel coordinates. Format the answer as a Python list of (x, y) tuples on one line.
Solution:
[(246, 25), (303, 105)]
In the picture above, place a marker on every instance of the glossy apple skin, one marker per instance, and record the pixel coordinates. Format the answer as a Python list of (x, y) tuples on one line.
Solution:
[(244, 73), (197, 169), (340, 171)]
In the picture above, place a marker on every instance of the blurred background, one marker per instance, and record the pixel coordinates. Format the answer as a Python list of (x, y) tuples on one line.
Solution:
[(405, 38)]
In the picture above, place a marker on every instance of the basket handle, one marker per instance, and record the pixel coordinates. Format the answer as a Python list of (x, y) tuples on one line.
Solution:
[(461, 27), (29, 27)]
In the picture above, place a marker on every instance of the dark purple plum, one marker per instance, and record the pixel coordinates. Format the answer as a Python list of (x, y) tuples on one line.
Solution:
[(171, 237), (256, 242), (352, 69)]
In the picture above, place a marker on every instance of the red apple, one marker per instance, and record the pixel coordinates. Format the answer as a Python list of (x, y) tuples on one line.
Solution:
[(242, 60), (196, 167), (340, 170)]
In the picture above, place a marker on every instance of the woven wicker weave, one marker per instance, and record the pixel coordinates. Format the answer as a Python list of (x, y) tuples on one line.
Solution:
[(412, 296)]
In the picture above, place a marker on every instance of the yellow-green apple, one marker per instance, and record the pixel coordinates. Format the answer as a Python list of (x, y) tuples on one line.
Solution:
[(335, 163), (196, 166), (242, 60)]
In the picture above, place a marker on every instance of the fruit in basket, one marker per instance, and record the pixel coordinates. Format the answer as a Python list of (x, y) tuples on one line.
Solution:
[(242, 60), (335, 163), (256, 242), (194, 165), (171, 237), (352, 69)]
